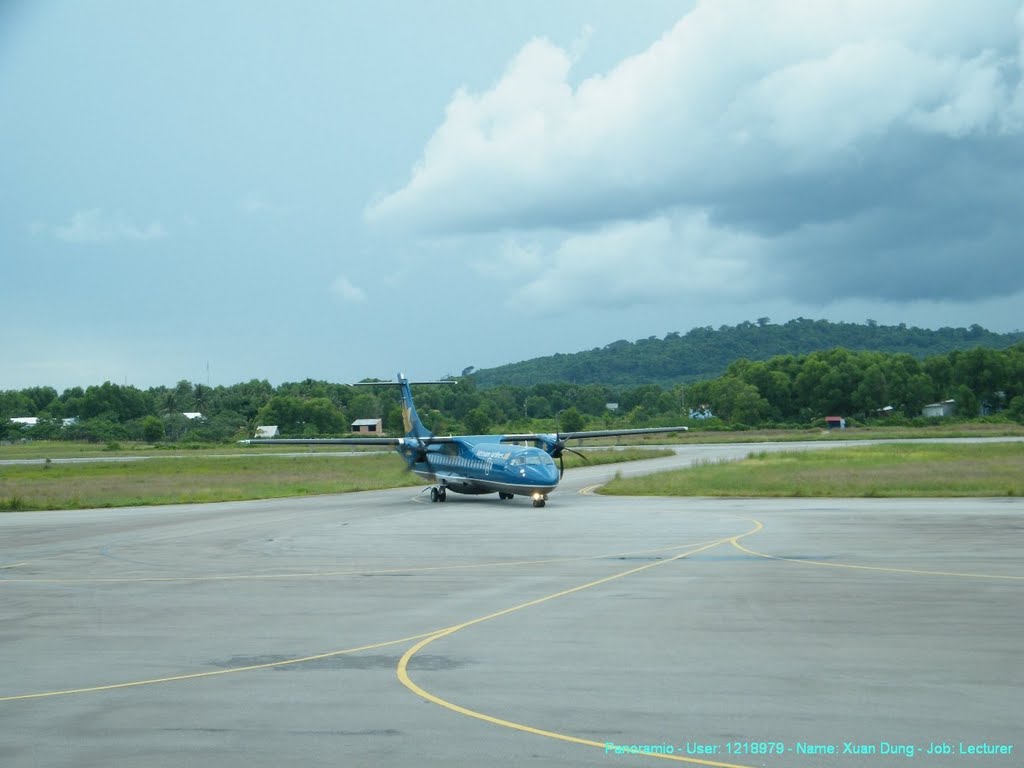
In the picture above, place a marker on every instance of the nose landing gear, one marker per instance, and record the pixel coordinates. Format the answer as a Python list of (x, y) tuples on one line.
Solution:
[(438, 494)]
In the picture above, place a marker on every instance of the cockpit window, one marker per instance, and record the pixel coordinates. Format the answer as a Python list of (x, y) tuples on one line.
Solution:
[(533, 458)]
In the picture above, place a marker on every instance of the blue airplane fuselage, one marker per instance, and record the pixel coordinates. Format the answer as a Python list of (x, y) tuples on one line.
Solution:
[(478, 464), (508, 465)]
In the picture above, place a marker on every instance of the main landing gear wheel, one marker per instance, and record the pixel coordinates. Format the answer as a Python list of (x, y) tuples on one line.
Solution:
[(438, 494), (503, 496)]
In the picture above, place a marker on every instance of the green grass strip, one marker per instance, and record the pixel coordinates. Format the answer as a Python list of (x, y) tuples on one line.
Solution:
[(916, 469), (192, 479), (205, 478)]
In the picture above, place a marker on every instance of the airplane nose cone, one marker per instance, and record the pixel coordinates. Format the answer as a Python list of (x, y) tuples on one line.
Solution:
[(549, 474)]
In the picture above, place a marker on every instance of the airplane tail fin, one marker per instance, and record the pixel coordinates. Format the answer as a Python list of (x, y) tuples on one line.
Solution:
[(414, 428)]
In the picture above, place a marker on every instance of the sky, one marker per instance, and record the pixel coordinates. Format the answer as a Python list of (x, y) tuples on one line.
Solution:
[(227, 190)]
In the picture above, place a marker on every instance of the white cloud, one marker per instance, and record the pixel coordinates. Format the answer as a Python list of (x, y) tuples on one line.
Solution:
[(254, 204), (344, 289), (94, 225), (678, 256), (784, 144), (734, 90)]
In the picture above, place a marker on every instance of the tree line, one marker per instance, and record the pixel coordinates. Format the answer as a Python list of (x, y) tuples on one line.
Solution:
[(784, 391), (705, 353), (795, 390)]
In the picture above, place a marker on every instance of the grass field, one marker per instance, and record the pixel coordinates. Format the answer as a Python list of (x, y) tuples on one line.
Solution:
[(917, 469), (234, 473), (191, 479), (203, 478)]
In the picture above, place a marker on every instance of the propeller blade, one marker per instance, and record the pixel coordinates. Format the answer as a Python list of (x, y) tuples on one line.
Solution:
[(419, 453), (581, 455), (558, 452)]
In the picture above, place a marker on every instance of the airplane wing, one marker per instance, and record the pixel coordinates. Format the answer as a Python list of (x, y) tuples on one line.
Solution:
[(563, 436), (379, 441), (619, 432)]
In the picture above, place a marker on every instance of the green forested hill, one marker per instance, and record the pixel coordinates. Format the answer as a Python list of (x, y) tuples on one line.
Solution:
[(755, 374), (704, 353)]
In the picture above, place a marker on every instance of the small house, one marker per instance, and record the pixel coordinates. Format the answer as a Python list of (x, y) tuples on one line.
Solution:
[(939, 410), (368, 426), (268, 431)]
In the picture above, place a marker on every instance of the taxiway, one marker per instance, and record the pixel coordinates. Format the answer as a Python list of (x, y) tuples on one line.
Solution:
[(377, 629)]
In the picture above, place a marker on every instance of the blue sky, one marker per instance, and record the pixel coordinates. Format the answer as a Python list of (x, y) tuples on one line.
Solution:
[(221, 191)]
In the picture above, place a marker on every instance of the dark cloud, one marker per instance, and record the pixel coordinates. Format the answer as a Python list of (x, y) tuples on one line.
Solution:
[(878, 158)]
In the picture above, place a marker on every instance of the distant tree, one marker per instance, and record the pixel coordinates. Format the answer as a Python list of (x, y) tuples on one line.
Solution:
[(97, 430), (394, 422), (246, 399), (919, 392), (177, 426), (14, 404), (284, 412), (152, 429), (181, 399), (220, 427), (324, 416), (872, 393), (571, 420), (505, 403), (538, 407), (45, 429), (983, 371), (590, 399), (808, 386), (1015, 410), (201, 394), (737, 402), (646, 396), (477, 421), (967, 404), (40, 398), (115, 403), (940, 371), (71, 401), (366, 405)]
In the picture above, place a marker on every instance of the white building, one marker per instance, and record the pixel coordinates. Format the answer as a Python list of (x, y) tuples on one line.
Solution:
[(938, 410)]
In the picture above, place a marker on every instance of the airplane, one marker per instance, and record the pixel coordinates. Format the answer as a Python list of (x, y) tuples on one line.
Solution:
[(474, 464)]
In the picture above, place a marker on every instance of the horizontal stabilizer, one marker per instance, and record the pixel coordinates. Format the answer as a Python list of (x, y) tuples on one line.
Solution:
[(391, 441), (619, 432), (400, 383)]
